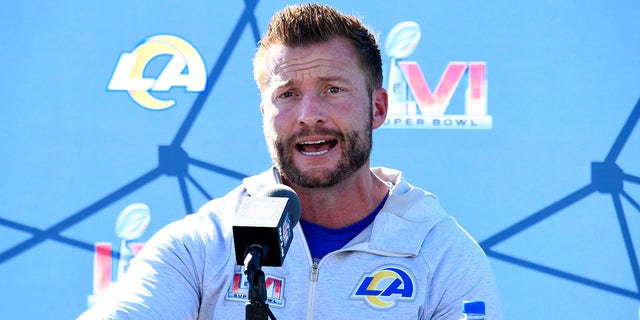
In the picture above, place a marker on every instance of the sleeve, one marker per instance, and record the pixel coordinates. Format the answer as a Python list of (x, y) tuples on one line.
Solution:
[(461, 272), (162, 281)]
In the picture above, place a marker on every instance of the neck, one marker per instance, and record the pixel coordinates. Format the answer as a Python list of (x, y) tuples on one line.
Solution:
[(343, 204)]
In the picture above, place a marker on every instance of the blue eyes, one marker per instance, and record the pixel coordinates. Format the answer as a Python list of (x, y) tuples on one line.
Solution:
[(286, 95), (290, 94)]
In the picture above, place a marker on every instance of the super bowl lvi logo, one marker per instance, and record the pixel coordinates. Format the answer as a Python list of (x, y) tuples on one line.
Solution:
[(130, 225), (412, 103)]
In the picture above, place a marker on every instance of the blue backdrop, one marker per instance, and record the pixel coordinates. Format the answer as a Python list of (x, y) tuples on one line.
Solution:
[(551, 190)]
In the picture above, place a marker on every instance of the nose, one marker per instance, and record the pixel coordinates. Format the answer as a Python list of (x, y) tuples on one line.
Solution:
[(311, 111)]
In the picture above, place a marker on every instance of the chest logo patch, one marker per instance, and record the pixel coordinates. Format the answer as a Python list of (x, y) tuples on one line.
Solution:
[(239, 290), (384, 287)]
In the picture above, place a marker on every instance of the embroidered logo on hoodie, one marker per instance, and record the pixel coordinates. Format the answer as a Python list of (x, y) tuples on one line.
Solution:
[(239, 290), (384, 287)]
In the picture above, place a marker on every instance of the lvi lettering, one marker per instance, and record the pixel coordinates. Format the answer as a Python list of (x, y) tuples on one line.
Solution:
[(130, 225), (413, 105)]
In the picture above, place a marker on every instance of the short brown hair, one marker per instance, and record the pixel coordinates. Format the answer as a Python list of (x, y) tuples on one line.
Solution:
[(305, 24)]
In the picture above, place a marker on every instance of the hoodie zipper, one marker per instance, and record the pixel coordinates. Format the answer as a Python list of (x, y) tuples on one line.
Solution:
[(315, 269), (314, 272), (313, 277)]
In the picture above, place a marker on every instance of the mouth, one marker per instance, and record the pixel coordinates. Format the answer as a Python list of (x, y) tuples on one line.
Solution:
[(316, 147)]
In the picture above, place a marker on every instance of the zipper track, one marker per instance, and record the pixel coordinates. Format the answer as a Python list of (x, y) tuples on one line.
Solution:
[(315, 270), (313, 277)]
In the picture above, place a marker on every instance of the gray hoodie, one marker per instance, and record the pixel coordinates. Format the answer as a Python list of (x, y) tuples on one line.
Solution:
[(413, 262)]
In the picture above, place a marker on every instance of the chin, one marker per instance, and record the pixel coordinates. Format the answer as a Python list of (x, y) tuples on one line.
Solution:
[(317, 177)]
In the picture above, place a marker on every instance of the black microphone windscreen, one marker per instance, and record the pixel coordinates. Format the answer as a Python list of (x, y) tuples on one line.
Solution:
[(266, 220), (283, 191)]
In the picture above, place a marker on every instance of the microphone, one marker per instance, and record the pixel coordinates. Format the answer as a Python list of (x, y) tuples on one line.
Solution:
[(264, 226)]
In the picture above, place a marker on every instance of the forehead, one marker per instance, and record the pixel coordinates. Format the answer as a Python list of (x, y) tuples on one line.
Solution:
[(334, 58)]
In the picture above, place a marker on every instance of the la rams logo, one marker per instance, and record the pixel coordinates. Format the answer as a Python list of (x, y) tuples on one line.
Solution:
[(129, 72), (384, 287)]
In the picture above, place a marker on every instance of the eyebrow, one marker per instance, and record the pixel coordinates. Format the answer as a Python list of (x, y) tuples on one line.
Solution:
[(282, 84), (333, 78), (290, 82)]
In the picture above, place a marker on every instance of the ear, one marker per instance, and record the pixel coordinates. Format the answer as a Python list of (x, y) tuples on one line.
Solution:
[(380, 101)]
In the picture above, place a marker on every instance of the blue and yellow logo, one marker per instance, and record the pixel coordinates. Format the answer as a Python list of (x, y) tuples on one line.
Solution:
[(129, 72), (385, 286)]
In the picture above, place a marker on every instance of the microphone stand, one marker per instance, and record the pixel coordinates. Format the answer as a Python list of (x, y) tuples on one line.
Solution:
[(256, 308)]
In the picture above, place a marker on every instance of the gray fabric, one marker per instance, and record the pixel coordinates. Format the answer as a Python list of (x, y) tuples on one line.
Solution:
[(413, 262)]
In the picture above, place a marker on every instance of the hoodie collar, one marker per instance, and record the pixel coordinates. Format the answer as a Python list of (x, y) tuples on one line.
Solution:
[(409, 211)]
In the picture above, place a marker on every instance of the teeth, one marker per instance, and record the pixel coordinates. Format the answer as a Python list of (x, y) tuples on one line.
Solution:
[(314, 153), (314, 142)]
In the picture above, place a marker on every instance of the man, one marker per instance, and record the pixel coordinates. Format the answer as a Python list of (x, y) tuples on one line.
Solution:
[(369, 245)]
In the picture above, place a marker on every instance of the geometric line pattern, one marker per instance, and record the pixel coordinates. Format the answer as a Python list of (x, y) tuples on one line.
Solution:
[(606, 178), (172, 160)]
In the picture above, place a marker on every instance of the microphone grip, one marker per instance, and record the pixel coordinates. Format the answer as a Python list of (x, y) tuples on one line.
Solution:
[(254, 257), (256, 307)]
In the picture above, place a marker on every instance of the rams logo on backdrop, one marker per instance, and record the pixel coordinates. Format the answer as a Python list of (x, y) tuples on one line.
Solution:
[(129, 74), (384, 287)]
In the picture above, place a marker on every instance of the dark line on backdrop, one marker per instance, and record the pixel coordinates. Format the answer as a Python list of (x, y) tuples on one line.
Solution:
[(185, 195), (255, 29), (624, 134), (628, 242), (73, 242), (35, 231), (80, 215), (221, 170), (631, 178), (633, 202), (19, 226), (538, 216), (215, 73), (562, 274), (199, 187)]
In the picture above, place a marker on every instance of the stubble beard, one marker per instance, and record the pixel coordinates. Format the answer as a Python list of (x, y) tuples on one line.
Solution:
[(356, 149)]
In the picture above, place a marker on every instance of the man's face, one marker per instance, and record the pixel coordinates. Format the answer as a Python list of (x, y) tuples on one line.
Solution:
[(318, 114)]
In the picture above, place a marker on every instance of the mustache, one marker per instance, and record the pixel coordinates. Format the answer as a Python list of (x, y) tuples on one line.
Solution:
[(304, 132)]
